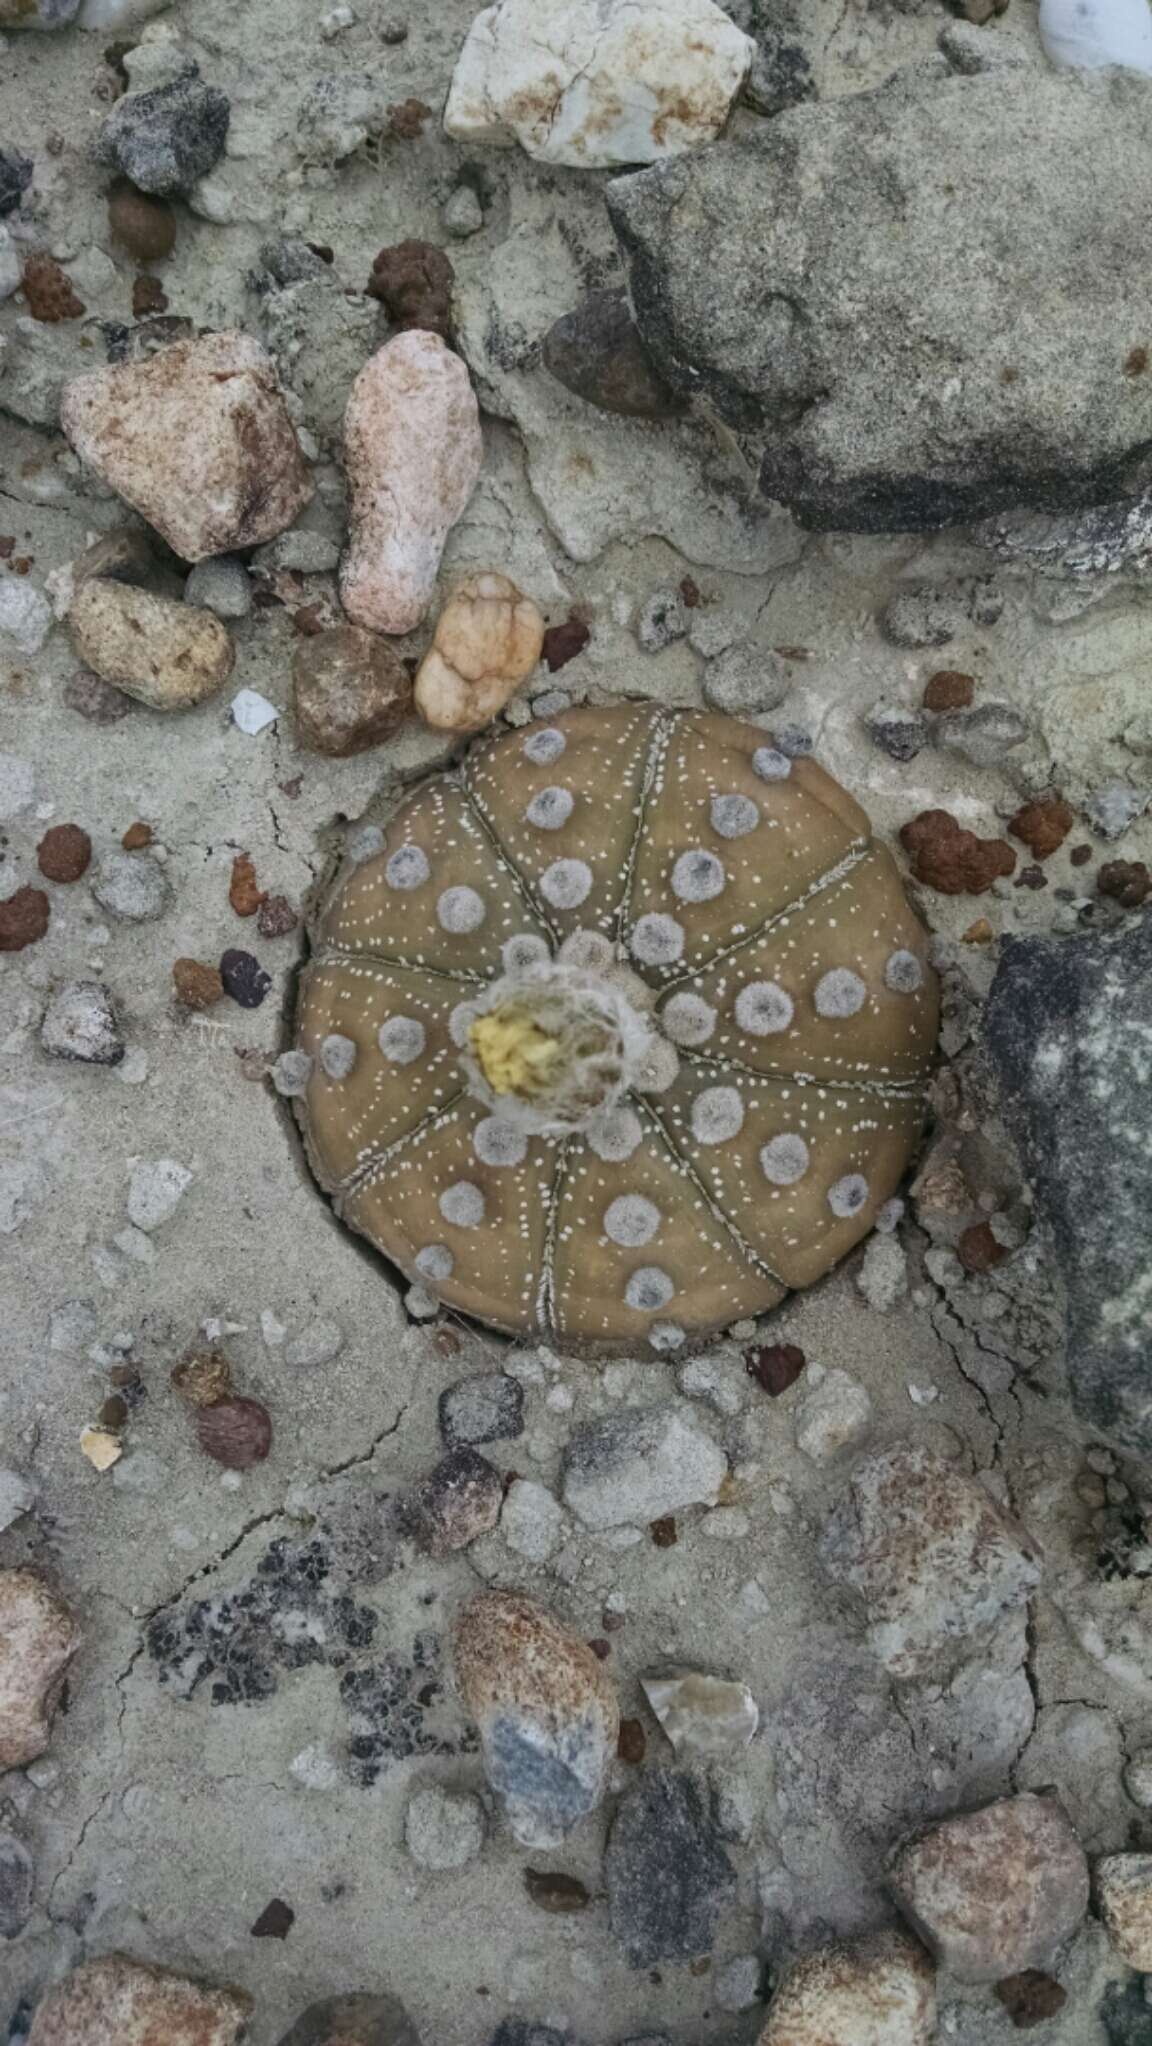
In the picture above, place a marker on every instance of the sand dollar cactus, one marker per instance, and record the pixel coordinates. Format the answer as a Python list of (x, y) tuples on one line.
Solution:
[(623, 1033)]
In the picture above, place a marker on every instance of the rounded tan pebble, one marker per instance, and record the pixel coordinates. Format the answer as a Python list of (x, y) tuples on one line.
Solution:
[(351, 691), (120, 2002), (878, 1991), (167, 655), (488, 638), (1124, 1897), (412, 450), (145, 227), (38, 1638)]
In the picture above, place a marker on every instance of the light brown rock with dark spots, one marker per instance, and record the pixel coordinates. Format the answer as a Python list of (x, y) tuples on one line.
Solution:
[(488, 639), (995, 1891), (38, 1638), (353, 2021), (352, 691), (167, 655), (546, 1710), (412, 450), (1124, 1898), (120, 2002), (876, 1991), (198, 439)]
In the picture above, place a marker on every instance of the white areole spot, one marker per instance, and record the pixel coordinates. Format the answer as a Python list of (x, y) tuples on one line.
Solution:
[(460, 910), (717, 1115), (698, 876), (566, 883), (614, 1134), (462, 1205), (337, 1056), (407, 868), (550, 809), (657, 940), (785, 1159), (497, 1142), (526, 949), (734, 816), (543, 747), (848, 1195), (688, 1019), (631, 1221), (648, 1289), (763, 1008), (435, 1261), (402, 1039), (770, 764), (840, 993)]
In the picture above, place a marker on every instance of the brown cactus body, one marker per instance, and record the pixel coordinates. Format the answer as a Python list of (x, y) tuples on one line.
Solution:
[(623, 1034)]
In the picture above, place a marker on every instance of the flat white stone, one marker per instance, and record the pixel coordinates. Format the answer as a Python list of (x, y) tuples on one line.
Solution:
[(252, 713), (701, 1714)]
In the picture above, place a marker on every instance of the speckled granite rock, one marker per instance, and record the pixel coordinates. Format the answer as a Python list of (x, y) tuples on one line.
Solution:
[(997, 1890), (877, 1991), (38, 1638), (120, 2002)]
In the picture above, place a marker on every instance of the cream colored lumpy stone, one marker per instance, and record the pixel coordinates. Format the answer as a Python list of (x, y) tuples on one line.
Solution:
[(197, 439), (488, 639), (167, 655), (598, 82), (38, 1638), (412, 450), (878, 1991)]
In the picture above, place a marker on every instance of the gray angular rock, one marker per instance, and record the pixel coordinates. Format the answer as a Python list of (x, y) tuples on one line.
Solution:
[(1066, 1027), (80, 1024), (995, 1891), (221, 585), (1112, 809), (133, 887), (442, 1830), (970, 49), (665, 1871), (984, 734), (639, 1466), (487, 1408), (755, 266), (357, 2020), (898, 731), (167, 139), (18, 1495)]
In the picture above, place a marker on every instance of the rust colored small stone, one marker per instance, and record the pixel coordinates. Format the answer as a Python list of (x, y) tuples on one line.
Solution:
[(1043, 825), (952, 860), (276, 917), (632, 1741), (203, 1378), (1080, 855), (1136, 361), (601, 1649), (413, 281), (235, 1432), (948, 689), (148, 297), (1124, 881), (1031, 1998), (145, 226), (978, 1249), (775, 1366), (23, 919), (7, 545), (64, 852), (663, 1533), (198, 986), (244, 892), (553, 1890), (690, 595), (563, 642), (979, 933), (48, 290), (137, 836), (114, 1412), (612, 1622), (408, 118)]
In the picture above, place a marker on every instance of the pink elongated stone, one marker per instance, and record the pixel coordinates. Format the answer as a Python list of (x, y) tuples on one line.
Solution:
[(412, 450), (38, 1638), (198, 439)]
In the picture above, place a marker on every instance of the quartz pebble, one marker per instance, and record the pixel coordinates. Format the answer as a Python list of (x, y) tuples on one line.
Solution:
[(592, 85), (351, 691), (1123, 1885), (486, 1408), (412, 451), (665, 1870), (132, 887), (442, 1830), (701, 1714), (640, 1466), (26, 616), (120, 2002), (167, 139), (546, 1710), (996, 1890), (38, 1638), (739, 1983), (462, 213), (934, 1559), (834, 1415), (252, 713), (488, 638), (532, 1521), (155, 1190), (167, 655), (80, 1024), (876, 1991), (357, 2020), (456, 1503), (197, 438)]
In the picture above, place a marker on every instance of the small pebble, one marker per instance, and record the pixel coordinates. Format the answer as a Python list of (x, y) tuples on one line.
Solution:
[(456, 1503), (197, 985), (132, 887), (235, 1432), (26, 616), (144, 226), (17, 1884), (23, 919), (48, 290), (95, 699), (487, 641), (738, 1985), (900, 733), (164, 141), (64, 853), (277, 1918), (352, 691), (775, 1366), (244, 978), (118, 2002), (553, 1890), (486, 1408), (223, 586), (80, 1025), (1114, 807), (252, 713), (662, 621), (15, 178), (167, 655), (155, 1190), (948, 689), (414, 283), (276, 917), (462, 214), (291, 1073), (443, 1830)]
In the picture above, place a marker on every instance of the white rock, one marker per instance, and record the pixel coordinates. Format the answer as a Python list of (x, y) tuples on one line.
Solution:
[(252, 713), (532, 1521), (26, 616), (701, 1714), (719, 1380), (105, 14), (883, 1275), (1088, 34), (155, 1191), (833, 1416), (320, 1342), (443, 1831), (1138, 1777), (462, 214), (639, 1466), (738, 1982), (317, 1768), (598, 82), (10, 266)]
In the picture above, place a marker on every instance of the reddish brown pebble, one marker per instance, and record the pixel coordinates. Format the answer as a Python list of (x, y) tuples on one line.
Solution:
[(408, 119), (148, 297), (663, 1533), (775, 1366), (1124, 881), (1080, 855), (413, 282), (1043, 825), (275, 1921), (276, 917), (198, 986), (552, 1890), (114, 1412), (203, 1378), (954, 861), (690, 593), (244, 893), (632, 1741), (600, 1648), (137, 836), (64, 853), (612, 1622), (48, 290), (1136, 361), (563, 642), (23, 919), (145, 227), (949, 690), (235, 1432), (7, 545), (978, 1249), (1031, 1998), (98, 701)]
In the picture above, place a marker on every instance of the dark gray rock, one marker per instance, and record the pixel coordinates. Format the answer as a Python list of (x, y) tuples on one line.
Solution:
[(757, 265), (983, 734), (356, 2020), (487, 1408), (898, 731), (665, 1871), (596, 352), (17, 1881), (781, 72), (1067, 1027), (15, 178), (1126, 2014), (292, 261), (522, 2032), (458, 1501), (167, 139)]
